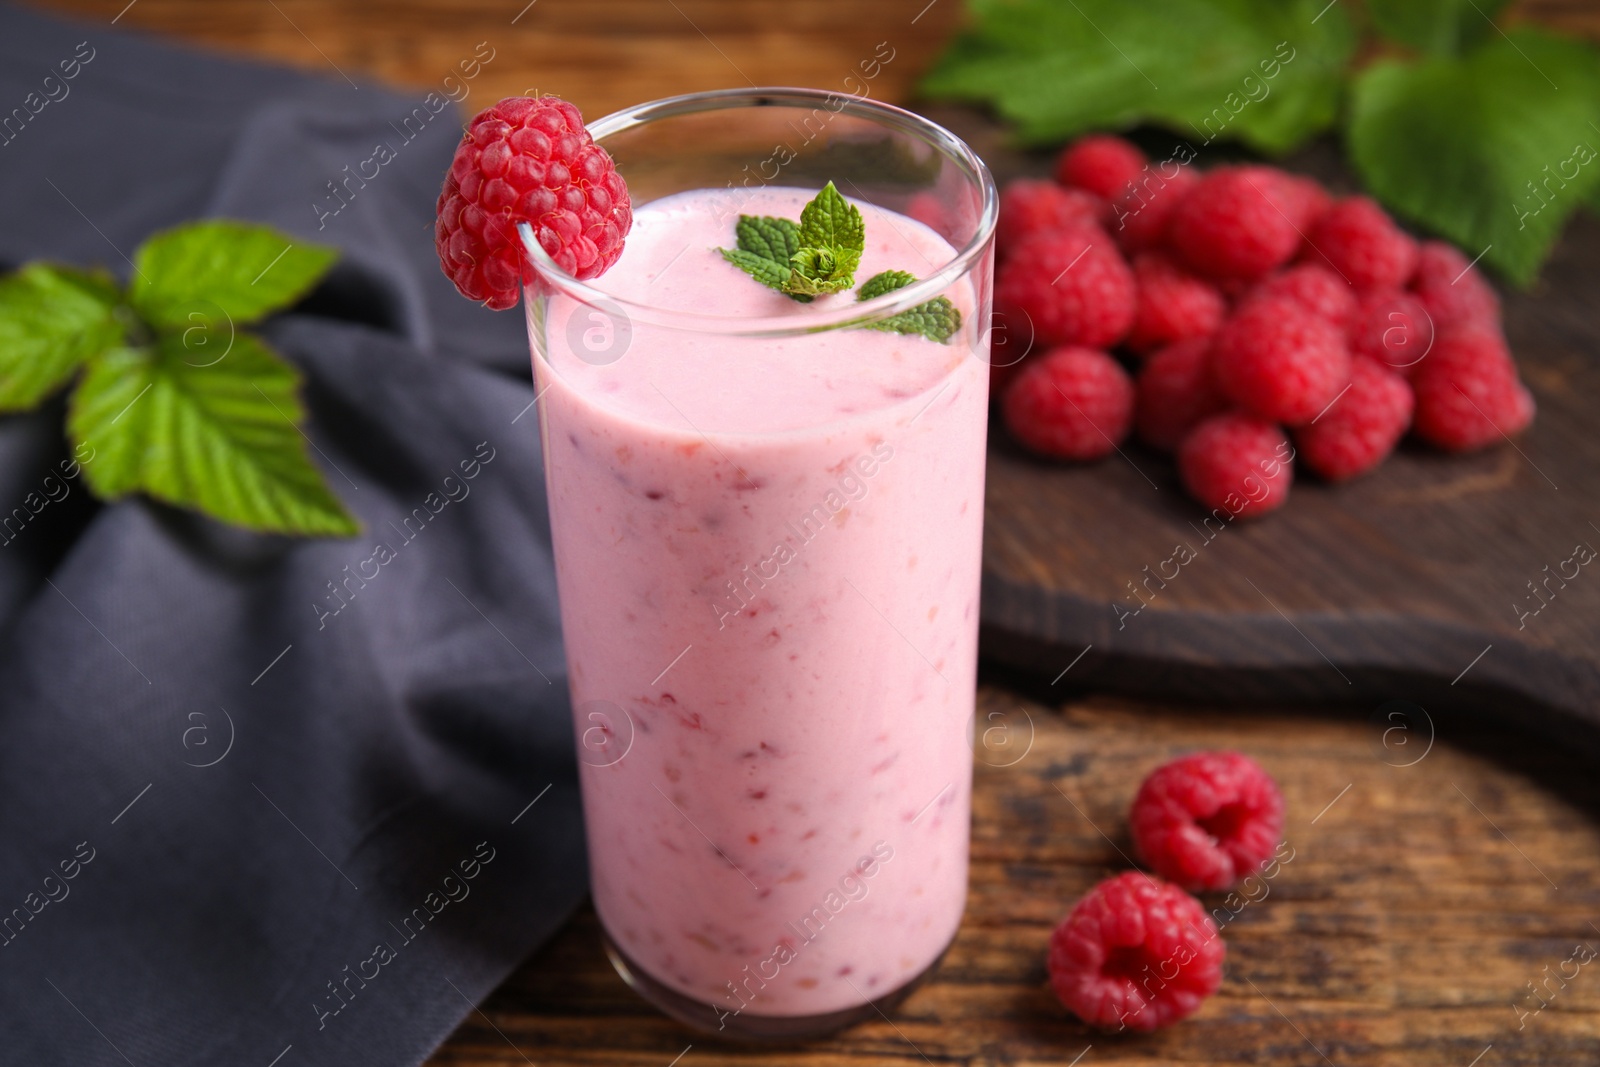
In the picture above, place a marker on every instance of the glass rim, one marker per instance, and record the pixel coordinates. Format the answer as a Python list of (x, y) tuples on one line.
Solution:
[(892, 303)]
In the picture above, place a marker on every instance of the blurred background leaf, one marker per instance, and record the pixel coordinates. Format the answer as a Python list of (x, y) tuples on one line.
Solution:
[(1493, 150), (1437, 27), (1058, 69)]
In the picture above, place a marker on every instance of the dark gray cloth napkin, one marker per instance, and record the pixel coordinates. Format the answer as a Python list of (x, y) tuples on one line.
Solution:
[(236, 825)]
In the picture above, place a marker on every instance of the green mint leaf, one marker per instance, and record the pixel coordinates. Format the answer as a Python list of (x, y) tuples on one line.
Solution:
[(768, 237), (244, 269), (832, 229), (772, 274), (766, 245), (1494, 150), (52, 319), (937, 319), (1260, 71), (220, 437), (1437, 27), (884, 282)]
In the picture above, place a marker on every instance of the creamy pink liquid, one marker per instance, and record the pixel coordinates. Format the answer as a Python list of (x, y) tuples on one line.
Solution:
[(768, 561)]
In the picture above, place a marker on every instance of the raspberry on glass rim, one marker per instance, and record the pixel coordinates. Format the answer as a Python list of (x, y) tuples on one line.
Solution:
[(528, 159)]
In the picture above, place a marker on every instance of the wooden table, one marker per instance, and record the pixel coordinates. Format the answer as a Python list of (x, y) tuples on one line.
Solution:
[(1439, 868)]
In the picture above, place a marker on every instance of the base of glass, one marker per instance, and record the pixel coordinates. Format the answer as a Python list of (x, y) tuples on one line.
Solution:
[(747, 1026)]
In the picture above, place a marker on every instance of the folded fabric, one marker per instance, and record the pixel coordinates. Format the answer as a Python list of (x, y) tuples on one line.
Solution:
[(263, 797)]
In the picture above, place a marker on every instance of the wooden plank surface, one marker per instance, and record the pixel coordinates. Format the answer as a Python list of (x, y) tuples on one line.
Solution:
[(1422, 899)]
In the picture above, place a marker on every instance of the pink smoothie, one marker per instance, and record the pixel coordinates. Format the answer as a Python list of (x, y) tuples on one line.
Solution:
[(768, 561)]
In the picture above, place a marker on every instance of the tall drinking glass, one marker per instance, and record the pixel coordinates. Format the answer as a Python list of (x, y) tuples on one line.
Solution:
[(767, 518)]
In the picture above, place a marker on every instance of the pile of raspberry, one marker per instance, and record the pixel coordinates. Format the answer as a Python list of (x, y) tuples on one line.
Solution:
[(1138, 952), (1241, 318)]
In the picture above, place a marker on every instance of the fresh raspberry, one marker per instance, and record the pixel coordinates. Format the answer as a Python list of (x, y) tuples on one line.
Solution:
[(1315, 288), (1280, 361), (1236, 223), (1029, 206), (1074, 403), (1452, 289), (1305, 201), (1139, 218), (1174, 392), (1207, 819), (1238, 463), (1394, 329), (1072, 285), (1358, 239), (1173, 305), (1468, 393), (1362, 427), (528, 160), (1135, 953), (1100, 163)]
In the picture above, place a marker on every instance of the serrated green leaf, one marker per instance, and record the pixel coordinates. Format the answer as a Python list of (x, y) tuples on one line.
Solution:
[(937, 319), (52, 319), (1266, 72), (245, 269), (830, 221), (822, 270), (219, 437), (768, 237), (772, 274), (884, 282), (1437, 27), (1462, 146)]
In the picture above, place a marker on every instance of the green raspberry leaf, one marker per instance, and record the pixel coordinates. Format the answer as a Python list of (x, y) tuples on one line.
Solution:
[(1494, 150), (1437, 27), (1267, 72), (52, 319), (220, 437), (244, 269), (884, 282), (937, 319)]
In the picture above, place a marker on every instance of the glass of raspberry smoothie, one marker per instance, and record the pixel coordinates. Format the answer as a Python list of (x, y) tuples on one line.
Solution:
[(767, 516)]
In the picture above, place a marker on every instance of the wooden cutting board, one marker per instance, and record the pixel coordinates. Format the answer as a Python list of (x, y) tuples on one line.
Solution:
[(1444, 580)]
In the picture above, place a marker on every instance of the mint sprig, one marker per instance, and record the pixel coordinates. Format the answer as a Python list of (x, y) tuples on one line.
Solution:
[(937, 319), (804, 261), (175, 400), (820, 255)]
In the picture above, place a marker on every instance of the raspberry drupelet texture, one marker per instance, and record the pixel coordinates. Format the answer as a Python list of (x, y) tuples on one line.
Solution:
[(1452, 290), (1468, 392), (1207, 819), (528, 160), (1174, 392), (1237, 463), (1277, 360), (1071, 286), (1135, 953), (1315, 288), (1072, 403), (1140, 217), (1173, 305), (1362, 427), (1101, 163), (1358, 239), (1394, 329), (1031, 205), (1236, 223)]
